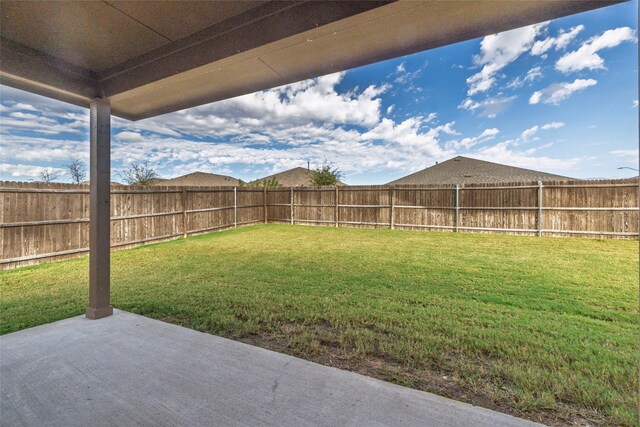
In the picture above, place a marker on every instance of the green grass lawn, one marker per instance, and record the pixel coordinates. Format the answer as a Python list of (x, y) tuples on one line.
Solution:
[(545, 328)]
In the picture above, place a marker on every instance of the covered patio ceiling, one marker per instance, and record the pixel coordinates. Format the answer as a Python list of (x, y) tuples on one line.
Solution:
[(154, 57)]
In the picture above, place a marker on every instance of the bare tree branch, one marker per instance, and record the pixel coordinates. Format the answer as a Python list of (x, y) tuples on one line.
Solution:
[(138, 174), (49, 175), (77, 170)]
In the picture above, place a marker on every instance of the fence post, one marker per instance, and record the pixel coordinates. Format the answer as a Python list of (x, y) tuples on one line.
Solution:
[(266, 215), (539, 208), (291, 205), (392, 195), (235, 207), (336, 212), (184, 212), (457, 207)]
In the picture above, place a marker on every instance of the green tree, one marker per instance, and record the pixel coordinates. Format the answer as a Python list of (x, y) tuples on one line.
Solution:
[(327, 174), (261, 183)]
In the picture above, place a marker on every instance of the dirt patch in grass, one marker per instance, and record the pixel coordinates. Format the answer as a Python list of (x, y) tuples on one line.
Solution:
[(442, 381)]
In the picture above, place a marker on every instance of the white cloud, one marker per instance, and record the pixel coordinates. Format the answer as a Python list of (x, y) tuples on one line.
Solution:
[(274, 129), (489, 107), (552, 125), (497, 51), (403, 79), (346, 149), (31, 148), (42, 125), (390, 108), (430, 118), (408, 135), (586, 57), (634, 104), (22, 170), (558, 92), (528, 134), (17, 107), (26, 112), (532, 75), (129, 136), (505, 153), (17, 99), (408, 78), (467, 143), (155, 125), (626, 153), (490, 132), (22, 106), (314, 101), (560, 42), (535, 97), (386, 145), (510, 153), (257, 134)]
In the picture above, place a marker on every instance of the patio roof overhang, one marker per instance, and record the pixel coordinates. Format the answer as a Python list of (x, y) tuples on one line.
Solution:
[(139, 59), (155, 57)]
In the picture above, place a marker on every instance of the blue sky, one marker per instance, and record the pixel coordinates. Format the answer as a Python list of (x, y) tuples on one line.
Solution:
[(560, 97)]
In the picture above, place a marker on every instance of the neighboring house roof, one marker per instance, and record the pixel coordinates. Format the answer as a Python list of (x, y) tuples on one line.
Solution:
[(295, 177), (157, 181), (200, 179), (463, 170)]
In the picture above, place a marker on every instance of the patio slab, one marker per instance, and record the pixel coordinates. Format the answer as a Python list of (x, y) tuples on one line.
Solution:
[(127, 369)]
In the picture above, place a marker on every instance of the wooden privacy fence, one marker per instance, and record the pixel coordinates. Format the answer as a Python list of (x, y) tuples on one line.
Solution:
[(50, 221), (42, 222), (604, 208)]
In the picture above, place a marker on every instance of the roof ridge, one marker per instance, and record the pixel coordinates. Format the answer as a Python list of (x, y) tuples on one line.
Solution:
[(462, 169)]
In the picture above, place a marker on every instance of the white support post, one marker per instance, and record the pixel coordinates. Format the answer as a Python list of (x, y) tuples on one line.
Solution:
[(99, 210), (235, 207), (457, 207), (539, 208)]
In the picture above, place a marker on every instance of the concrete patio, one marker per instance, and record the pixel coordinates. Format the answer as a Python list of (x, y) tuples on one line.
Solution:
[(127, 369)]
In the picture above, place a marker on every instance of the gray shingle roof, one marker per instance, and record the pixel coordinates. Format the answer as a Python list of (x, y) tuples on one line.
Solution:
[(295, 177), (200, 179), (464, 170)]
